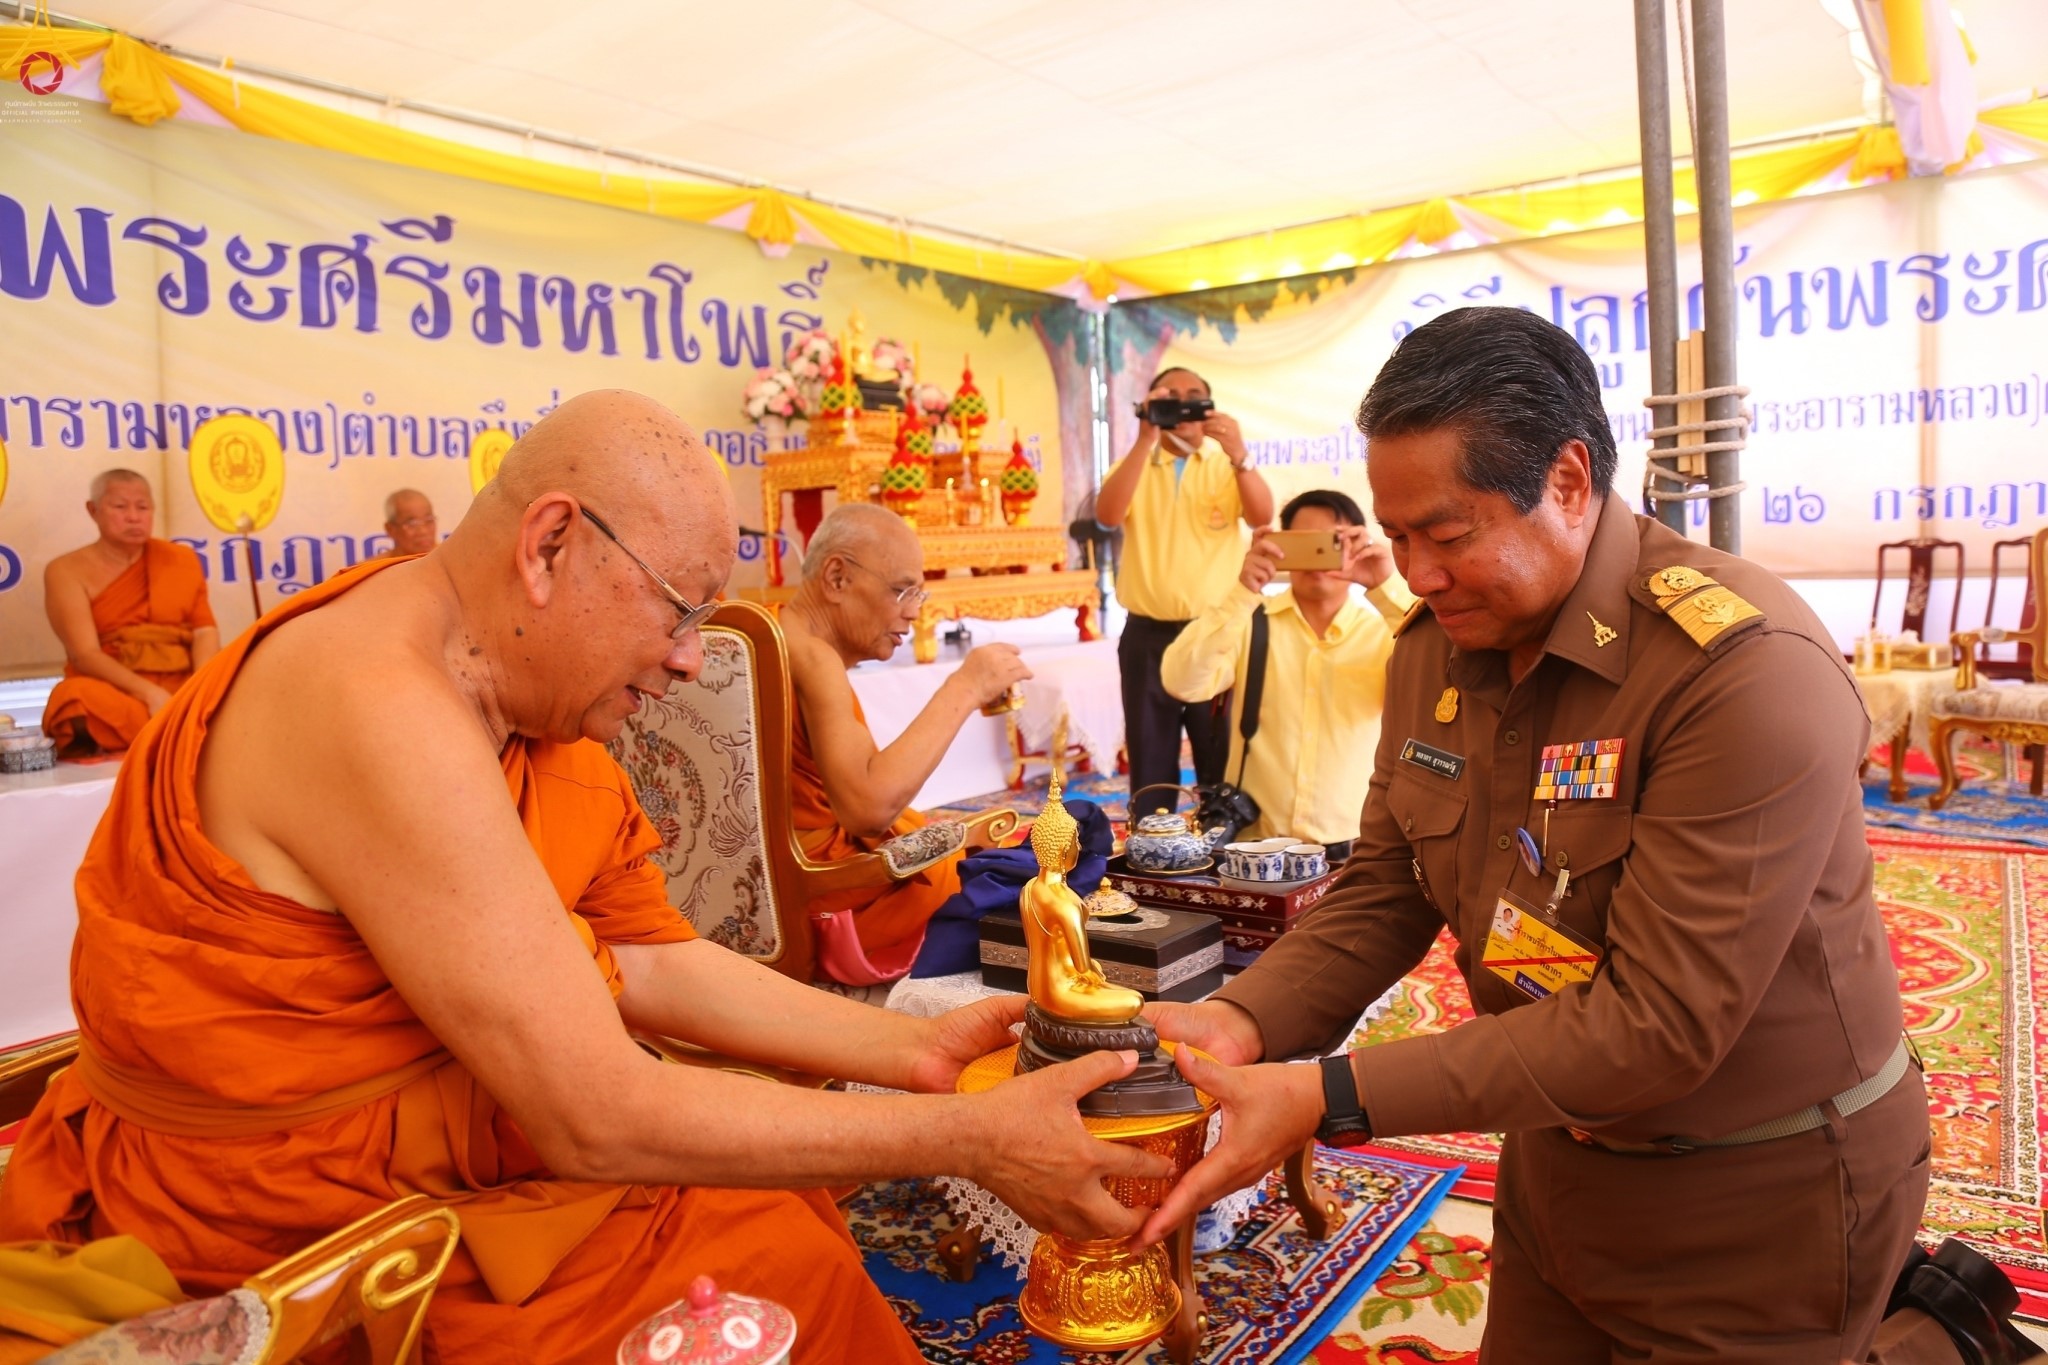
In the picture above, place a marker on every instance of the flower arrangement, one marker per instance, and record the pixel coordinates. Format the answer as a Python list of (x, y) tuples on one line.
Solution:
[(931, 402), (776, 394), (809, 357), (891, 354)]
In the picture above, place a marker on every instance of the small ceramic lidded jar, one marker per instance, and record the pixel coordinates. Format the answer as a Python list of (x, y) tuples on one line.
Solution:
[(1163, 842), (710, 1328)]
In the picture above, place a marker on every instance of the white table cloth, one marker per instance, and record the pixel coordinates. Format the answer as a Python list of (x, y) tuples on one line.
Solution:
[(46, 820)]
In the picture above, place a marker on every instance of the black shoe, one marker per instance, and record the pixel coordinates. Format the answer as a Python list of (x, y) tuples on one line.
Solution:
[(1916, 1256), (1971, 1298)]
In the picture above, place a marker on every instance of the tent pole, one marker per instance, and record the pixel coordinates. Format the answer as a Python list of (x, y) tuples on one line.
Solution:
[(1660, 242), (1717, 263)]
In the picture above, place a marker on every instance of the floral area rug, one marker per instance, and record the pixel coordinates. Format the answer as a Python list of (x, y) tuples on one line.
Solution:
[(1968, 922), (1271, 1295), (1993, 803), (1429, 1306)]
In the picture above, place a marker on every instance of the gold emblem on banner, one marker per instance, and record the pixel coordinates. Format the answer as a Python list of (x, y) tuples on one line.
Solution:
[(1603, 635), (486, 452), (1447, 706), (3, 471), (237, 470)]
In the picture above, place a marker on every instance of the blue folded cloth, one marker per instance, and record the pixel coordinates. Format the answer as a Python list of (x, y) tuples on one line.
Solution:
[(991, 880)]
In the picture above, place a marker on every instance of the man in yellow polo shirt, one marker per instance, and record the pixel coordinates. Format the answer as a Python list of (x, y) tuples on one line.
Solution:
[(1182, 495), (1326, 673)]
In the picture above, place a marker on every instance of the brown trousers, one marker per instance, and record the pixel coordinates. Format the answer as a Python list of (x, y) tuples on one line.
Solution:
[(1770, 1254)]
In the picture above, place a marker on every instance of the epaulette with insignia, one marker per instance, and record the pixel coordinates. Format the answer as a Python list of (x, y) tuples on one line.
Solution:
[(1415, 609), (1703, 608)]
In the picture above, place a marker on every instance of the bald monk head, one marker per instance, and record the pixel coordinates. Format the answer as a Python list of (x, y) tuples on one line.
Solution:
[(863, 580), (409, 521), (564, 626), (123, 508)]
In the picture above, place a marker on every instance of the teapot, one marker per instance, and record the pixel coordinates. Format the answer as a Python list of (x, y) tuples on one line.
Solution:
[(1165, 842)]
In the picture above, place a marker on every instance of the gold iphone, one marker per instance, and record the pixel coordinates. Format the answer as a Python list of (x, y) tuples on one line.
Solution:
[(1311, 550)]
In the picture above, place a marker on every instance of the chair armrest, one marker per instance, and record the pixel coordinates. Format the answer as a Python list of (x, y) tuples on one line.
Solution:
[(1965, 643), (855, 872), (689, 1054), (991, 827)]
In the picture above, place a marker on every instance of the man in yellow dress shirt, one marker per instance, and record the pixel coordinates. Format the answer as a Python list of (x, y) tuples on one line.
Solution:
[(1182, 495), (1326, 666)]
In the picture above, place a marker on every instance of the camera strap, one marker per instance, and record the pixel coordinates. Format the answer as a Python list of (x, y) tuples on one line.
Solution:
[(1254, 685)]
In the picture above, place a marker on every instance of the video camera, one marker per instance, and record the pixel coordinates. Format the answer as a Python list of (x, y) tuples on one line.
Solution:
[(1172, 412)]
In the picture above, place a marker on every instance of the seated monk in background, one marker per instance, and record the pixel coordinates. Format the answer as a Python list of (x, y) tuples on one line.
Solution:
[(132, 614), (370, 913), (409, 521), (863, 583)]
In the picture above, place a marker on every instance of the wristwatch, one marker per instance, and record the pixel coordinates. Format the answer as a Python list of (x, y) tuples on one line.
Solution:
[(1344, 1123)]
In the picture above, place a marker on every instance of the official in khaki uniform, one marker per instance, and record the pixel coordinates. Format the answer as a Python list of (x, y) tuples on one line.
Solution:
[(1622, 768)]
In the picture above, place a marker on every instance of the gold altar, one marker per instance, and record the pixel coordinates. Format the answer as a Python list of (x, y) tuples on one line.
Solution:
[(977, 566)]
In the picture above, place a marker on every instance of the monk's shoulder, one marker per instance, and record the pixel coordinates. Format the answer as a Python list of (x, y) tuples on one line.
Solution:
[(69, 567)]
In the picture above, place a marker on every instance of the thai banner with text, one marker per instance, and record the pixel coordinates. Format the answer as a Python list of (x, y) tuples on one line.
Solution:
[(377, 319), (1894, 341)]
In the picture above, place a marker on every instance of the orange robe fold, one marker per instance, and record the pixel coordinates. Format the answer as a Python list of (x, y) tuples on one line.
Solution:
[(889, 920), (145, 618), (250, 1081)]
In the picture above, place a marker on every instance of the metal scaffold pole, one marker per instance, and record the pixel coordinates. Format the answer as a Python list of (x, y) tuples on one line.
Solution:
[(1660, 245), (1717, 268)]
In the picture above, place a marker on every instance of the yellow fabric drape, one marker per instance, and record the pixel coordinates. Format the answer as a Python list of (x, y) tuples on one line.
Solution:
[(143, 84), (56, 1294), (1905, 40)]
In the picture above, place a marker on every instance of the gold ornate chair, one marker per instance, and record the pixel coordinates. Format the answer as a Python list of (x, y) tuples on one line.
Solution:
[(2012, 714), (373, 1279), (711, 763)]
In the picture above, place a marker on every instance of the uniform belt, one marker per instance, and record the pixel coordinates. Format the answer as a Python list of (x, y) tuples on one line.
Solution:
[(1803, 1121)]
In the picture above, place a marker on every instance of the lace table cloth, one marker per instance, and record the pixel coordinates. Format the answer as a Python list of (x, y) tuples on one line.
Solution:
[(1901, 701), (1010, 1235)]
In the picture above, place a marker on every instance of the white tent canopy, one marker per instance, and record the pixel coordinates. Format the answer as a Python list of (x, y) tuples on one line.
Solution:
[(1096, 128)]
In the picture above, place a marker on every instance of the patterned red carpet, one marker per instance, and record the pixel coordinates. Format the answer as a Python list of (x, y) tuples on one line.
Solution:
[(1969, 928)]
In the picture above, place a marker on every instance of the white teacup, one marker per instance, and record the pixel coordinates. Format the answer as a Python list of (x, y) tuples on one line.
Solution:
[(1305, 861), (1262, 860)]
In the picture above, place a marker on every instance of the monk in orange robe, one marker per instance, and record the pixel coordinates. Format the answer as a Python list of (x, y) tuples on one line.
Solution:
[(132, 614), (863, 583), (370, 914)]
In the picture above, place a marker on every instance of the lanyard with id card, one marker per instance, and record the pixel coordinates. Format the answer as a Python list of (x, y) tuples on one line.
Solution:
[(1527, 948)]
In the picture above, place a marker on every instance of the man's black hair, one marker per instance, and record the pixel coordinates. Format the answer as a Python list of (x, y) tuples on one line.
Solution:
[(1342, 504), (1179, 369), (1515, 388)]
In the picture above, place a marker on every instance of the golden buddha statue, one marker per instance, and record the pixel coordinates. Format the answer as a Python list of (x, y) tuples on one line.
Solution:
[(1063, 980)]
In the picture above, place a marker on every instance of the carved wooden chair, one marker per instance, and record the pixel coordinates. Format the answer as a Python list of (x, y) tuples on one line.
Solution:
[(2021, 665), (2012, 714), (1920, 569), (371, 1280), (711, 764)]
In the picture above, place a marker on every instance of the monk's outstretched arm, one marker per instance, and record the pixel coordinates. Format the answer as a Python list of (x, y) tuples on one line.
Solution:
[(70, 608), (428, 861), (869, 788)]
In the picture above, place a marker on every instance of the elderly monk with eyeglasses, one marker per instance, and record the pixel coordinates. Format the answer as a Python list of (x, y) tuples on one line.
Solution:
[(370, 914), (863, 585)]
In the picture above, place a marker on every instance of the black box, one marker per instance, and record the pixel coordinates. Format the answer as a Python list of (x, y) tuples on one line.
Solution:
[(1162, 954)]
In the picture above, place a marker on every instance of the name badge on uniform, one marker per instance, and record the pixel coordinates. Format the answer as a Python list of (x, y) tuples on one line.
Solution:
[(1537, 956), (1582, 771), (1433, 760)]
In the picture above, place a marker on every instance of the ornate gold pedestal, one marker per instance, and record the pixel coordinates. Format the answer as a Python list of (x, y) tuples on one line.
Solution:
[(1100, 1294)]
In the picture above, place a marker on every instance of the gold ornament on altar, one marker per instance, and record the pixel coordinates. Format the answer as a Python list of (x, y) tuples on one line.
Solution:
[(1094, 1294), (909, 471), (968, 412), (1019, 484)]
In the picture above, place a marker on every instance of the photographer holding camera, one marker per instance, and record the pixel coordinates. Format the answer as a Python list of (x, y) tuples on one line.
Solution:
[(1180, 494)]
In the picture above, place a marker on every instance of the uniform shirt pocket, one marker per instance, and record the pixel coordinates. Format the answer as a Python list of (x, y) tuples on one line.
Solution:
[(1591, 841), (1429, 813)]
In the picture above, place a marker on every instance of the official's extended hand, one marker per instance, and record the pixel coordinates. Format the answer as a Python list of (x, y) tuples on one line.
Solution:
[(1217, 1027), (1268, 1113), (957, 1037), (1035, 1156)]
